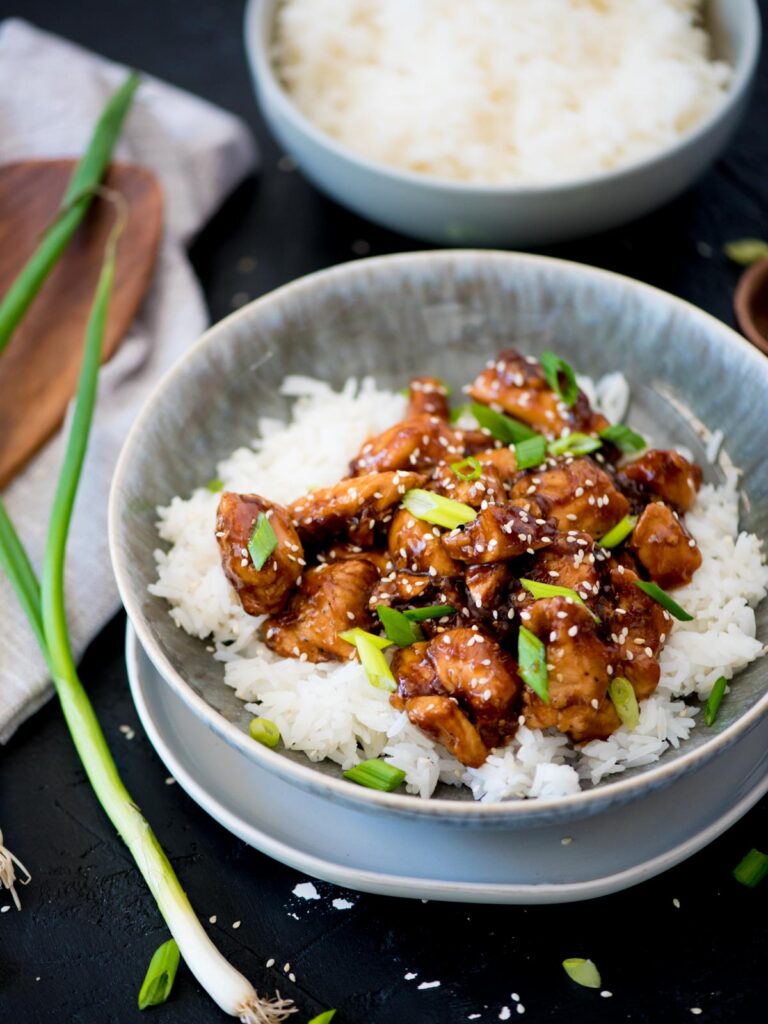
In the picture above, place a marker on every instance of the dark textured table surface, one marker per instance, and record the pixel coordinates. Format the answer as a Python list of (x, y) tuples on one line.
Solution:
[(78, 950)]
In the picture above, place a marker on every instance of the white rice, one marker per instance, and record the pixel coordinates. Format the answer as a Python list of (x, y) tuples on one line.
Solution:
[(329, 710), (500, 91)]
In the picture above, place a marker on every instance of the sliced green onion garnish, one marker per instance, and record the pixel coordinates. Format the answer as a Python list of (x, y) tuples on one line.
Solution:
[(351, 635), (263, 541), (458, 412), (434, 508), (575, 444), (433, 611), (752, 869), (323, 1018), (505, 428), (624, 438), (539, 590), (369, 648), (714, 701), (376, 774), (654, 590), (618, 533), (583, 972), (160, 975), (215, 485), (468, 469), (554, 368), (746, 251), (622, 693), (532, 663), (399, 628), (531, 452), (264, 731)]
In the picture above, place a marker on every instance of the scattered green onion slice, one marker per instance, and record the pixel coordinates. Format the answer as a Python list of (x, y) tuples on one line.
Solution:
[(264, 731), (575, 444), (746, 251), (369, 648), (532, 663), (376, 774), (531, 452), (715, 700), (434, 508), (654, 590), (160, 975), (263, 541), (752, 869), (583, 972), (624, 438), (323, 1018), (215, 485), (539, 590), (554, 368), (618, 533), (622, 693), (398, 628), (468, 469), (432, 611), (458, 412), (502, 427)]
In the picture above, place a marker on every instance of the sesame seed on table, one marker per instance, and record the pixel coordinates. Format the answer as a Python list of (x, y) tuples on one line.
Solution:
[(686, 944)]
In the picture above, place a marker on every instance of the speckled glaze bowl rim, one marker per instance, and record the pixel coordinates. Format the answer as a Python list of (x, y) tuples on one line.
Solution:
[(586, 802), (257, 50)]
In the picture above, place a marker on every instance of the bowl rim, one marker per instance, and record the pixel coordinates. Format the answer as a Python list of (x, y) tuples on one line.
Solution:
[(258, 15), (589, 801)]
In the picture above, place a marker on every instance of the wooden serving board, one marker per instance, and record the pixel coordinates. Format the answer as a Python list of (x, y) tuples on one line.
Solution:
[(40, 366)]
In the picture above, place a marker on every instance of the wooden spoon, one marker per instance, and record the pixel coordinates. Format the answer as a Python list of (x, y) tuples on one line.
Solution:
[(40, 366), (751, 304)]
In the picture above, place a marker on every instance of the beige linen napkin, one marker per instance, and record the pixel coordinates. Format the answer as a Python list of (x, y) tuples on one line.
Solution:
[(51, 93)]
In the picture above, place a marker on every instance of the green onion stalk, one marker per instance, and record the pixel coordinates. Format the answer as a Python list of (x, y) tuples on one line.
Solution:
[(45, 608)]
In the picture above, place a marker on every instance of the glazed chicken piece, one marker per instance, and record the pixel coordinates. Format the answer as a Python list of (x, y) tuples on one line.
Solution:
[(499, 532), (663, 474), (471, 667), (352, 507), (487, 584), (578, 663), (261, 591), (428, 396), (517, 385), (415, 546), (414, 444), (664, 547), (487, 489), (331, 598), (343, 552), (568, 562), (442, 719), (400, 588), (576, 493), (639, 628)]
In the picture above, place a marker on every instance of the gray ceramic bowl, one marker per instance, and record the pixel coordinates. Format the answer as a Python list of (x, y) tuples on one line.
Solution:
[(445, 313), (459, 213)]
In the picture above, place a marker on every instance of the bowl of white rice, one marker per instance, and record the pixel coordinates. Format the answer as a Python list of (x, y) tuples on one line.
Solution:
[(505, 123), (280, 395)]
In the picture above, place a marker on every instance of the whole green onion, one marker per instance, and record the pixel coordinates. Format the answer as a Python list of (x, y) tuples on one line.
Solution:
[(751, 869), (46, 611), (532, 663), (662, 597), (583, 972), (554, 368), (376, 774), (438, 510), (502, 427), (398, 627), (714, 700), (574, 444), (264, 731), (74, 204), (160, 975), (618, 533)]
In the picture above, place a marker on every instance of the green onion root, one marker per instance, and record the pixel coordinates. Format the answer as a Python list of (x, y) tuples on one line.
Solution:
[(8, 878)]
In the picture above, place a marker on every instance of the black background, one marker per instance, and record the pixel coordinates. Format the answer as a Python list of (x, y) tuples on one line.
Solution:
[(78, 951)]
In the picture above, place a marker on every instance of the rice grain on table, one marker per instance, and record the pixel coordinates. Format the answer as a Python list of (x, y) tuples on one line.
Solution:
[(330, 710), (500, 91)]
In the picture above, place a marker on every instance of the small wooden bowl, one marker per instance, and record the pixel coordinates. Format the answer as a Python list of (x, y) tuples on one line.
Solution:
[(751, 304)]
